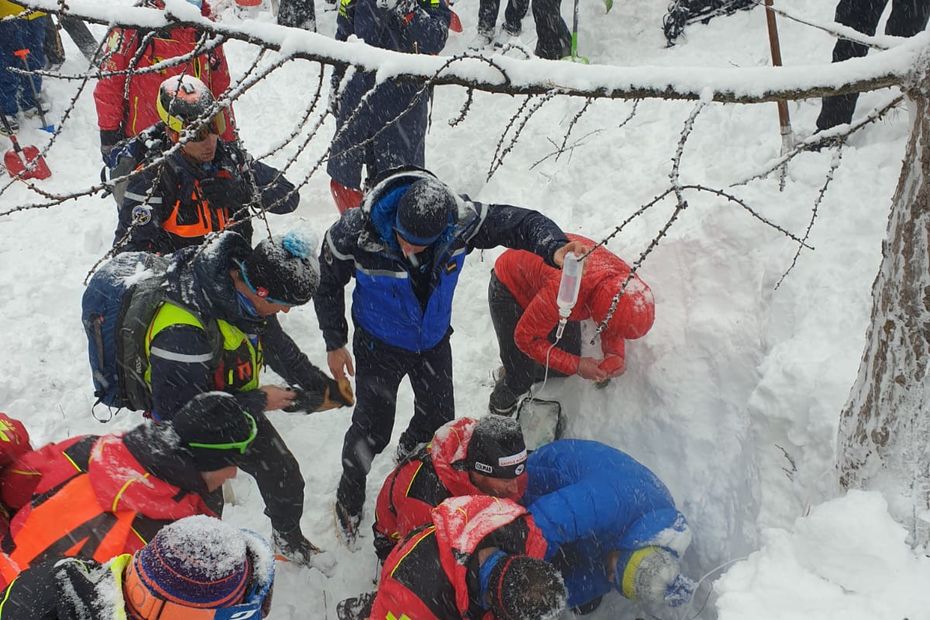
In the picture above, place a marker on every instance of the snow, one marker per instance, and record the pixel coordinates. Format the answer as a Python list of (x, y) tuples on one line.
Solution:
[(733, 398)]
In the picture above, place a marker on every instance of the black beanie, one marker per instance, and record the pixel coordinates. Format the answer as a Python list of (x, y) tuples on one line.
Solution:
[(213, 419), (424, 212), (496, 447), (282, 270), (524, 588)]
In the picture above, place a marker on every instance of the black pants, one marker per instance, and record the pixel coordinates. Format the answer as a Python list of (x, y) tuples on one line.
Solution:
[(553, 37), (513, 14), (379, 370), (297, 14), (277, 473), (521, 372), (908, 17)]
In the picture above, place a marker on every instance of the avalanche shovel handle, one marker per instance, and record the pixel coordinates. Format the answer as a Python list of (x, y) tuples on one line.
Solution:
[(783, 119), (10, 134)]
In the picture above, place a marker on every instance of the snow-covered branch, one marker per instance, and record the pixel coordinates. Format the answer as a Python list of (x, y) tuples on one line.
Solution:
[(534, 77)]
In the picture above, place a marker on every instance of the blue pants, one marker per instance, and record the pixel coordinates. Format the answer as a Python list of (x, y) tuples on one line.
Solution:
[(15, 91)]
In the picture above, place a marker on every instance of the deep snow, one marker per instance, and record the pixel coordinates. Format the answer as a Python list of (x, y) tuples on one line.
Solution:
[(733, 398)]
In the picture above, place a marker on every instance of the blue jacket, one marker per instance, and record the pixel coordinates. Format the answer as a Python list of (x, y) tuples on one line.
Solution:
[(589, 499), (421, 30), (362, 245)]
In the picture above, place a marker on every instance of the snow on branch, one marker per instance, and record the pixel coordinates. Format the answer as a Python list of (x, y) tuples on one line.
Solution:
[(534, 77)]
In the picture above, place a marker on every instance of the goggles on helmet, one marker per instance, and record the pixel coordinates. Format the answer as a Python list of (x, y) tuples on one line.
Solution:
[(142, 604), (241, 446), (215, 125)]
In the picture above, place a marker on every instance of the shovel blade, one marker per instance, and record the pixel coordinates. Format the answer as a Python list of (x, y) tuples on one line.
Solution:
[(34, 166)]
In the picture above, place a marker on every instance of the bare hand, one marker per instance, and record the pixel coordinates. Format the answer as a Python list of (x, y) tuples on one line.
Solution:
[(578, 248), (340, 362), (588, 369), (277, 397)]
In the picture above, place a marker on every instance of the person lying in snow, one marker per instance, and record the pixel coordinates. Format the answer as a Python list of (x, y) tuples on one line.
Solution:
[(190, 569), (609, 524), (480, 558), (115, 492), (522, 296), (465, 457)]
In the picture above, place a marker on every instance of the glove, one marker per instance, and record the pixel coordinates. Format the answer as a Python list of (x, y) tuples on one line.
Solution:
[(400, 7), (231, 192), (335, 394), (108, 139)]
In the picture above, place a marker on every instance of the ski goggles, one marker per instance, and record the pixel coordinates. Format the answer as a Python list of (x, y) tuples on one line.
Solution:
[(142, 604), (241, 446), (261, 291)]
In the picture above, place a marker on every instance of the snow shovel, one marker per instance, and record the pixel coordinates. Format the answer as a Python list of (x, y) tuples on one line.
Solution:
[(541, 421), (23, 53), (25, 163), (455, 24), (573, 54)]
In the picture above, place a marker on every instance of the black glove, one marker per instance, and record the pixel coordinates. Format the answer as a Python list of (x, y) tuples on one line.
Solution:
[(108, 139), (233, 193), (335, 394)]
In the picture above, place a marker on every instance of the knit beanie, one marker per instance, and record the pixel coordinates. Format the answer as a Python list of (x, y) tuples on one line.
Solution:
[(496, 447), (524, 588), (282, 270), (207, 424), (424, 212), (197, 562)]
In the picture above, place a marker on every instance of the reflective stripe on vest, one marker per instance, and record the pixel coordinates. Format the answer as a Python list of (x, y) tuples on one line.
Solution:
[(70, 523), (240, 362)]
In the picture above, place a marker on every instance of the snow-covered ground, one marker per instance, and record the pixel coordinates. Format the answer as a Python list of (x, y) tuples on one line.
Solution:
[(733, 398)]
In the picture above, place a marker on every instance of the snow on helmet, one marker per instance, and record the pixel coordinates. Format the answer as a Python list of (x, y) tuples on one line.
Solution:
[(184, 100)]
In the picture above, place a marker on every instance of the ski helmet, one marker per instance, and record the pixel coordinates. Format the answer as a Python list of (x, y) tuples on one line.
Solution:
[(183, 100)]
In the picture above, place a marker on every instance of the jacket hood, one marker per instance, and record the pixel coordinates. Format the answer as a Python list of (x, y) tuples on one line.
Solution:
[(463, 525), (145, 471), (380, 204), (198, 278)]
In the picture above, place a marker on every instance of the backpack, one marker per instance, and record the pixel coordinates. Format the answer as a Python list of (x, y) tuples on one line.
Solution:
[(117, 309)]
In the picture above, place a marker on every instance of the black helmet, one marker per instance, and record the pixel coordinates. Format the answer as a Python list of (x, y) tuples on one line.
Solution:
[(183, 100)]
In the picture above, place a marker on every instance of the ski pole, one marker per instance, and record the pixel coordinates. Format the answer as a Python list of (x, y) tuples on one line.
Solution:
[(784, 121), (574, 57), (23, 53)]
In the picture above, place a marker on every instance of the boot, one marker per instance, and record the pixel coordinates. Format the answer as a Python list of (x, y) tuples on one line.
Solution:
[(294, 547), (503, 400), (347, 524)]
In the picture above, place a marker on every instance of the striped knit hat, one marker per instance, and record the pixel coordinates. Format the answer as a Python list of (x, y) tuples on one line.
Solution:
[(197, 562)]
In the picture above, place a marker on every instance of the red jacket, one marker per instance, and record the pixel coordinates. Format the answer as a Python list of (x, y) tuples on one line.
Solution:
[(535, 285), (135, 110), (38, 471), (418, 485), (412, 585), (114, 508), (14, 442)]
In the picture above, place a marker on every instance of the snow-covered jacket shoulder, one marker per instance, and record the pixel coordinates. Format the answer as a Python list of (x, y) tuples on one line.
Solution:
[(39, 471), (426, 576), (581, 489)]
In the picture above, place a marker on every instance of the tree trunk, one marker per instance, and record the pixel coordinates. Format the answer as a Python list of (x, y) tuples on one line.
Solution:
[(884, 434)]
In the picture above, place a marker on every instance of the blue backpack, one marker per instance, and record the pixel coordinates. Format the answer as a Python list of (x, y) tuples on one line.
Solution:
[(117, 308)]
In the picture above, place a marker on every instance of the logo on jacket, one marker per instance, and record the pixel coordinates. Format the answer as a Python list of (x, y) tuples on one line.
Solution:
[(141, 215)]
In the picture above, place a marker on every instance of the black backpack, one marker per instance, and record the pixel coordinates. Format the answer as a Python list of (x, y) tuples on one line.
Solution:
[(117, 309)]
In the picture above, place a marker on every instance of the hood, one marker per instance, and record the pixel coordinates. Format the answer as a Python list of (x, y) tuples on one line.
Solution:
[(145, 471), (380, 204), (450, 447), (198, 278), (464, 523)]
